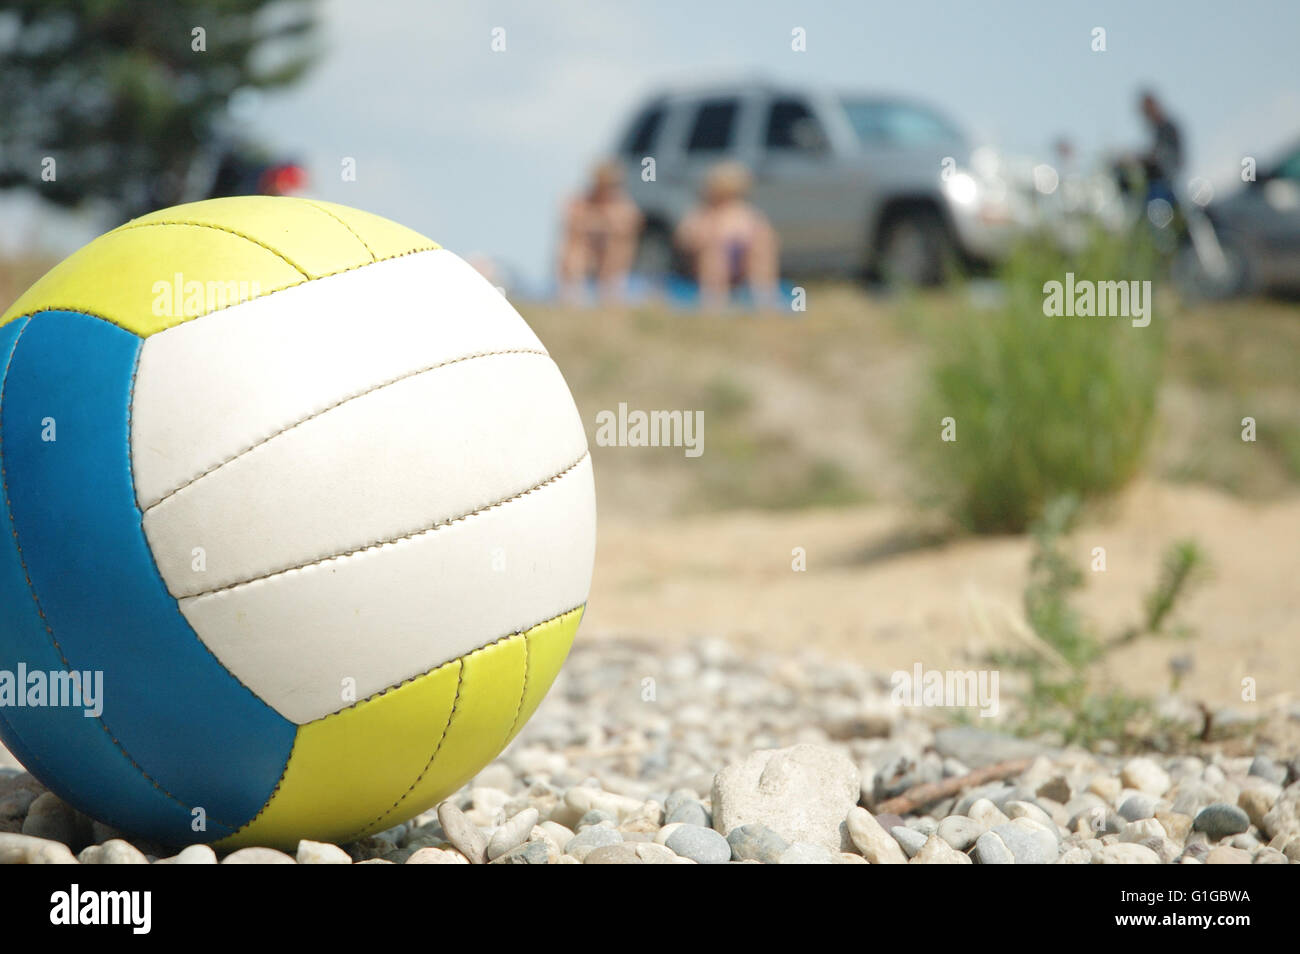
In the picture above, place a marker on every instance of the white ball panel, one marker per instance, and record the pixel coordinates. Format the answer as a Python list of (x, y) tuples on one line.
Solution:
[(398, 460), (208, 389), (383, 615)]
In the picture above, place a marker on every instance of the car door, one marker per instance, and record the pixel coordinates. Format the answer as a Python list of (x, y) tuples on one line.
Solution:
[(810, 191), (1278, 222)]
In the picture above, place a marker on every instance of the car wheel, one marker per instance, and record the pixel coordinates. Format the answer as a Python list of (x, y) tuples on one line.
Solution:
[(915, 248)]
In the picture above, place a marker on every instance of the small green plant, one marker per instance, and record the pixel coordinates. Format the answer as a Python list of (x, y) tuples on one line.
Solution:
[(1062, 695), (1041, 405)]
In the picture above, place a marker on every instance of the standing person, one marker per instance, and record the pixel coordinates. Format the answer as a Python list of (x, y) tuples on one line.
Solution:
[(1164, 159), (728, 241), (601, 227)]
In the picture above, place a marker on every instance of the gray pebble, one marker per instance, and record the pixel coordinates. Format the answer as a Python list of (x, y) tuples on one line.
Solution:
[(1264, 767), (756, 842), (702, 845), (690, 813), (590, 838), (529, 853), (992, 850), (911, 840), (1027, 844), (1220, 820), (1138, 807)]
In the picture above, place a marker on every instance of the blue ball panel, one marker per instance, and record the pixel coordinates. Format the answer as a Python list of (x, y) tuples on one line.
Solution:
[(171, 711)]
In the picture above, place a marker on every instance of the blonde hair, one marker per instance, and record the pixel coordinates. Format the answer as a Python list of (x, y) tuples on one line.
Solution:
[(727, 180)]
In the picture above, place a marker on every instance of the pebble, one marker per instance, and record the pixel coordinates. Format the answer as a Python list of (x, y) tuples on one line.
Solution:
[(1126, 853), (613, 855), (1221, 820), (436, 856), (911, 841), (512, 834), (1227, 855), (875, 844), (1264, 767), (936, 851), (702, 845), (691, 813), (529, 853), (49, 818), (595, 817), (17, 849), (257, 856), (756, 843), (1146, 776), (462, 833), (986, 814), (1137, 807), (959, 831), (1177, 826), (652, 854), (1029, 842), (802, 793), (192, 855), (115, 851), (591, 838), (1143, 828), (990, 849), (807, 853), (321, 853), (1256, 804)]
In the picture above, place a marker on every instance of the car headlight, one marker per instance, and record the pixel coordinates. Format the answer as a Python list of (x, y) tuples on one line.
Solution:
[(961, 188)]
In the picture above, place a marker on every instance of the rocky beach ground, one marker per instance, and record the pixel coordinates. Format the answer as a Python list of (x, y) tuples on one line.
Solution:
[(704, 754)]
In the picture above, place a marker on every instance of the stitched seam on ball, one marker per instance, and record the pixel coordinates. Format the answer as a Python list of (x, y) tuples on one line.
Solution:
[(352, 231), (78, 309), (275, 791), (337, 404), (523, 690), (221, 228), (153, 560), (31, 588), (379, 544), (446, 731), (420, 675)]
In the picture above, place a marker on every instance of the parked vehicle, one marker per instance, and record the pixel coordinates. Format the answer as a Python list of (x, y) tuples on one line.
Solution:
[(851, 182), (1258, 226)]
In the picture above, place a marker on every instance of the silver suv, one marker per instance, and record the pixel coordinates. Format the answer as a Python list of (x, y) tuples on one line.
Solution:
[(852, 183)]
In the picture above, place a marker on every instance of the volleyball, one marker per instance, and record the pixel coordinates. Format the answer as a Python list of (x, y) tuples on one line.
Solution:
[(301, 524)]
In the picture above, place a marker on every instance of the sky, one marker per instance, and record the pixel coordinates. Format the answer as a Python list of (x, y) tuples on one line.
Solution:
[(477, 149)]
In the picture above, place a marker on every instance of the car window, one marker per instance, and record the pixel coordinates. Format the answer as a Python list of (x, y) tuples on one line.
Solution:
[(641, 138), (897, 124), (792, 125), (713, 127)]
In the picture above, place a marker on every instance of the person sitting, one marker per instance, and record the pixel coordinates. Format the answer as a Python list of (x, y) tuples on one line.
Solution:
[(728, 241), (601, 227)]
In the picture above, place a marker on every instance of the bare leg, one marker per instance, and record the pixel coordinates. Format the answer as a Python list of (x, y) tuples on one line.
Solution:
[(575, 265), (761, 267), (615, 264), (713, 272)]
